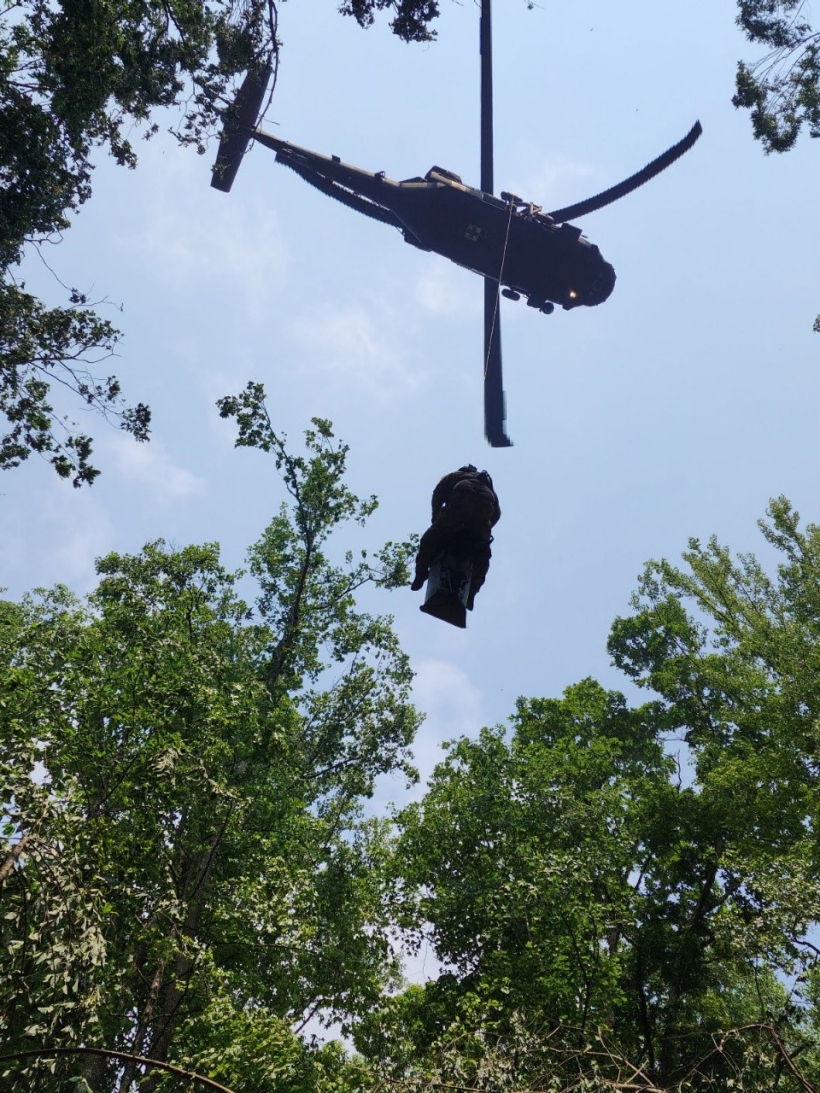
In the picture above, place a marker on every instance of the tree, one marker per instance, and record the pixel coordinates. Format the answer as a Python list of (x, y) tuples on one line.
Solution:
[(38, 343), (76, 77), (605, 915), (189, 877), (782, 89), (411, 21)]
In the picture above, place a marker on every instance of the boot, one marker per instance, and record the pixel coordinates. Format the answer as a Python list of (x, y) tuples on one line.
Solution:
[(418, 581)]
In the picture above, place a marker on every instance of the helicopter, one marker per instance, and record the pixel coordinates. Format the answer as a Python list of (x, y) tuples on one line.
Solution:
[(517, 248)]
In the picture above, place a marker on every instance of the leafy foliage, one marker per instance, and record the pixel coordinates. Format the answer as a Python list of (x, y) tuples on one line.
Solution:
[(75, 77), (608, 918), (782, 89), (411, 20), (189, 877), (622, 897), (38, 344)]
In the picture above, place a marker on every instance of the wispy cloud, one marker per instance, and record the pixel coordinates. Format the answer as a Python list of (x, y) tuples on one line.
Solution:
[(208, 240), (151, 466), (452, 708), (358, 346), (444, 289), (54, 540), (554, 180)]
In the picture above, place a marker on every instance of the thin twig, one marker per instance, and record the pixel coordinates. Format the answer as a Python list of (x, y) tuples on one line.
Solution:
[(50, 1052)]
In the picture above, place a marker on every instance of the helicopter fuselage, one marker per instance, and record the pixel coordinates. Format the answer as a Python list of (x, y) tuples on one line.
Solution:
[(499, 238)]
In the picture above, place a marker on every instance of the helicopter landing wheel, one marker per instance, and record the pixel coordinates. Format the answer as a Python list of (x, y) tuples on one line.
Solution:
[(542, 304), (511, 294)]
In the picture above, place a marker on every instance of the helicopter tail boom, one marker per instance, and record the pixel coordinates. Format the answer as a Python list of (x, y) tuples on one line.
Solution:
[(313, 165), (346, 197)]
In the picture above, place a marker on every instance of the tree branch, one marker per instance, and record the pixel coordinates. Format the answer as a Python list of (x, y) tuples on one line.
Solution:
[(51, 1052)]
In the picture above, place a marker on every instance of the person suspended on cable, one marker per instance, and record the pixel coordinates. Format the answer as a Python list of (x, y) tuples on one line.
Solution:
[(465, 509)]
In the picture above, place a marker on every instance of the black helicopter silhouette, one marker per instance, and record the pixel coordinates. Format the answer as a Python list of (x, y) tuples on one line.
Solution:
[(507, 241)]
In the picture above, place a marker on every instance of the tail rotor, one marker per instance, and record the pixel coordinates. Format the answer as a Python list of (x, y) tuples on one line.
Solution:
[(240, 121)]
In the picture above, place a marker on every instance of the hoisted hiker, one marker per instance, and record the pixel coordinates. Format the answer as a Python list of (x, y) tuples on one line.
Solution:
[(464, 511)]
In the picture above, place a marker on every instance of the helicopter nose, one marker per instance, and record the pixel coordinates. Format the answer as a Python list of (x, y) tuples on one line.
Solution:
[(601, 288)]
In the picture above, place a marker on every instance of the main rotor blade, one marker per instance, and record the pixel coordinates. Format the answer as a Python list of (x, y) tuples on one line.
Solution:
[(614, 193), (486, 47), (494, 411), (240, 122)]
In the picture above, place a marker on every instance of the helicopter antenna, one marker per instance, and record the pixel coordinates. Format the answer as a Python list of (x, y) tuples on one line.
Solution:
[(494, 411)]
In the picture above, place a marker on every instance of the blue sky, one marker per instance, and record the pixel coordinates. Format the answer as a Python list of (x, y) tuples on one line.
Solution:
[(676, 409)]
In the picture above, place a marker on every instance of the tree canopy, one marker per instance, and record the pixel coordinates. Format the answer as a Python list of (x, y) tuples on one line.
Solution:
[(782, 88), (631, 894), (186, 872), (620, 895)]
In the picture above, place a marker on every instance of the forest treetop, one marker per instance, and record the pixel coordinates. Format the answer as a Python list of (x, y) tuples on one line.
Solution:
[(621, 896)]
